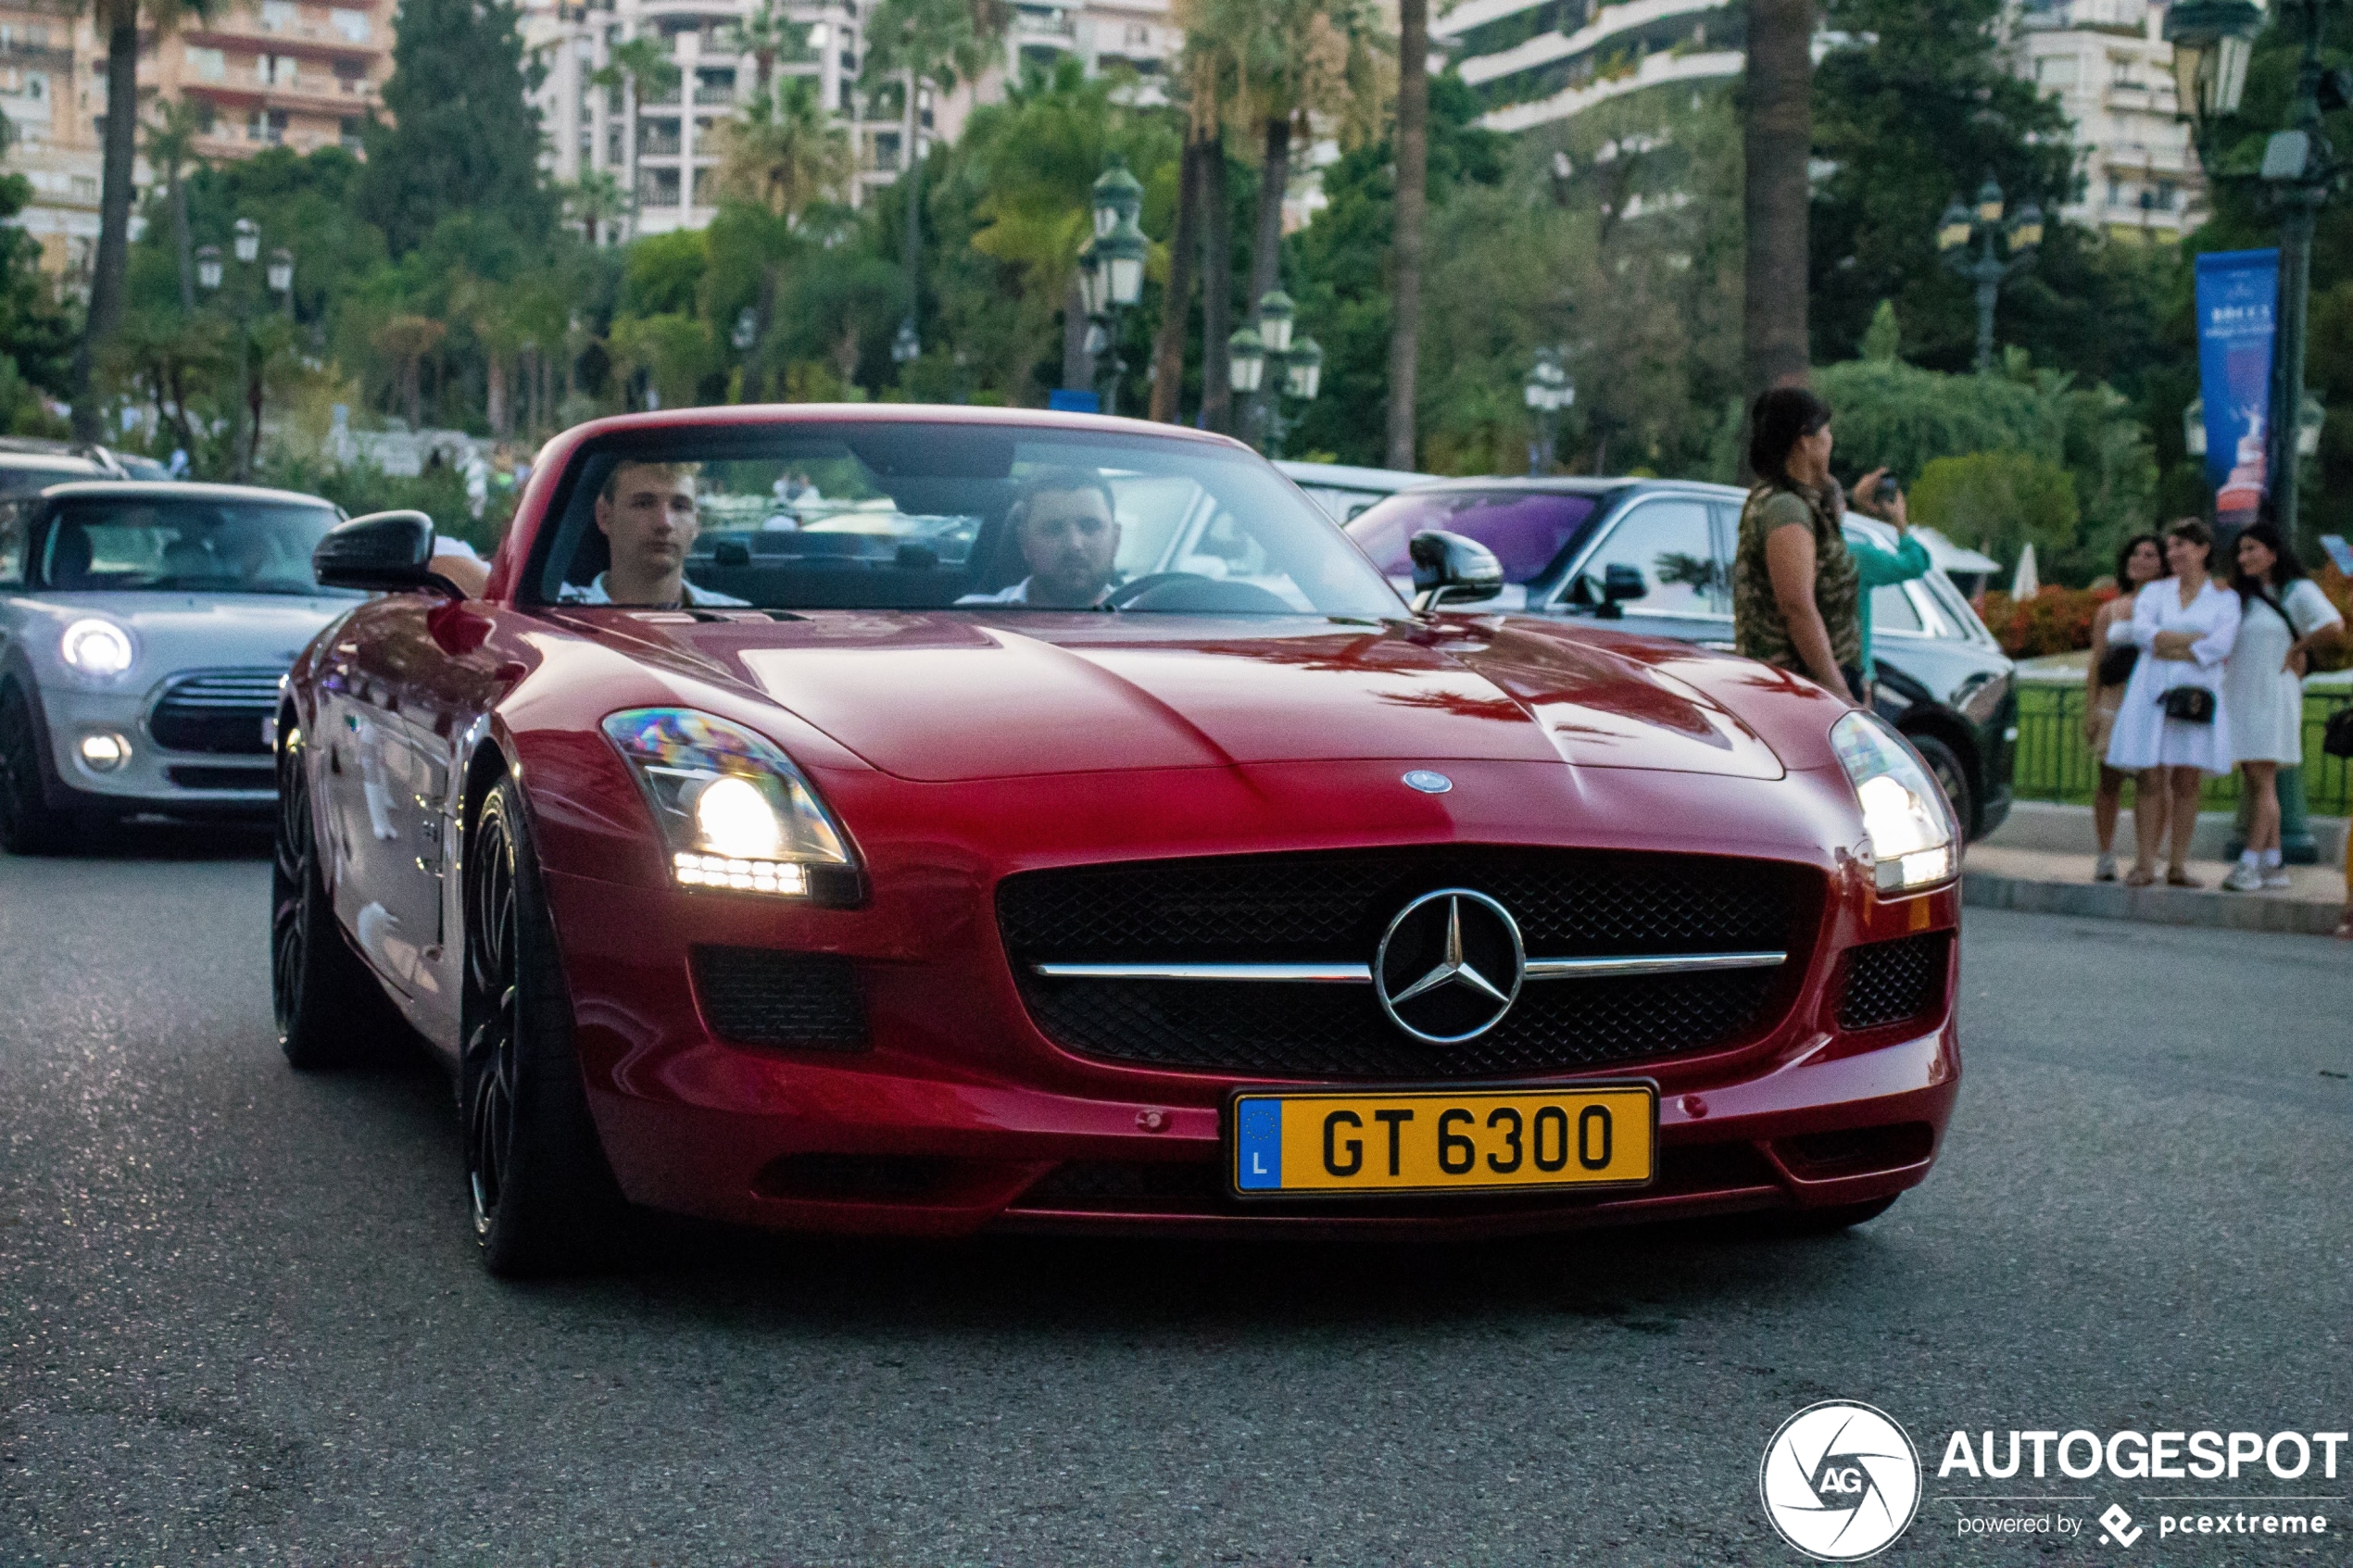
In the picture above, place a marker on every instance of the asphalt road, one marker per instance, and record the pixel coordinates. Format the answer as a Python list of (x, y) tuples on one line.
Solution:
[(241, 1318)]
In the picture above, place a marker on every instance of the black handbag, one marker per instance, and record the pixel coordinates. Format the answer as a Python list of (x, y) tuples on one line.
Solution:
[(2116, 664), (2191, 705), (2336, 735)]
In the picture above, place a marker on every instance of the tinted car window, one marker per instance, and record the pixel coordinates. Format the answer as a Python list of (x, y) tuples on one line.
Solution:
[(201, 545), (1671, 544), (1527, 532), (902, 515), (26, 479)]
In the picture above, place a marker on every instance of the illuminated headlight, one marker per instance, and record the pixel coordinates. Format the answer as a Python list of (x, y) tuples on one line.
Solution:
[(95, 647), (734, 811), (1914, 842), (103, 753)]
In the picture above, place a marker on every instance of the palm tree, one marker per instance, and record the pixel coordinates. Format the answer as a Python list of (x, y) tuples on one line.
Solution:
[(933, 44), (406, 340), (642, 66), (117, 23), (1777, 136), (1405, 245), (768, 34), (594, 200), (1168, 348), (171, 149), (783, 152)]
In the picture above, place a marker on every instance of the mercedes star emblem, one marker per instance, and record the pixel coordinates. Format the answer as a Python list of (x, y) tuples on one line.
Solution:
[(1448, 966)]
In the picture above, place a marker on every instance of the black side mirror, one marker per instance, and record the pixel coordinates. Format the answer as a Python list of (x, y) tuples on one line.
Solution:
[(731, 552), (1620, 581), (383, 552), (1449, 566)]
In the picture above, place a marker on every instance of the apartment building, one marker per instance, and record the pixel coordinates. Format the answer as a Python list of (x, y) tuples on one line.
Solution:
[(268, 73), (51, 142), (2109, 63), (1536, 62)]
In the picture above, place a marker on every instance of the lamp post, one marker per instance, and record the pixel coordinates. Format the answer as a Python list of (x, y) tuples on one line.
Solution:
[(1112, 266), (1964, 228), (2213, 40), (1297, 364), (277, 277), (1548, 391)]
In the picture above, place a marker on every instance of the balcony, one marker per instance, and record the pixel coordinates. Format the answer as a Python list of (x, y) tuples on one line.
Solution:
[(2105, 15)]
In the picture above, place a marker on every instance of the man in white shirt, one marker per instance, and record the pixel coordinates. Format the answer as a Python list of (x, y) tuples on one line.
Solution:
[(1069, 537), (646, 511)]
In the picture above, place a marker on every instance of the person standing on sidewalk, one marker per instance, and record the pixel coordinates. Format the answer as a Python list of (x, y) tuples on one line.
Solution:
[(2138, 564), (1796, 590), (2173, 728), (1878, 568), (2282, 614)]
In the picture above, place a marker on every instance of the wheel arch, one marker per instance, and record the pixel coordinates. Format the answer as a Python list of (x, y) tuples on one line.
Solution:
[(1954, 734)]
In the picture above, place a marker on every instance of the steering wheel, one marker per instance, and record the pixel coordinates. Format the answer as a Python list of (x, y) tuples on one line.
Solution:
[(1190, 592)]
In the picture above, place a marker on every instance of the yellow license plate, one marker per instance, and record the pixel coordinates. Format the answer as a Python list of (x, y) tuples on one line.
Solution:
[(1443, 1140)]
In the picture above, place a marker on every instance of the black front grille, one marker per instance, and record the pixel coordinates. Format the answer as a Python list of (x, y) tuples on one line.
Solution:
[(220, 712), (1333, 908), (761, 996), (1894, 982), (200, 777)]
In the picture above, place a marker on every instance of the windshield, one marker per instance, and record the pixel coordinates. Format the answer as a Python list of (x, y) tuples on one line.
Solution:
[(1528, 532), (921, 515), (111, 543)]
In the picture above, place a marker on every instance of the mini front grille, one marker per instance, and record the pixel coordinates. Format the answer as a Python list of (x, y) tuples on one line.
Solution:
[(220, 712), (1334, 907), (761, 997), (1896, 982), (200, 777)]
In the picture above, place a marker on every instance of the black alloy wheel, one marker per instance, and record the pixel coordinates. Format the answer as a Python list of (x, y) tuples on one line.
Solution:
[(544, 1201), (331, 1009), (29, 824), (1945, 766)]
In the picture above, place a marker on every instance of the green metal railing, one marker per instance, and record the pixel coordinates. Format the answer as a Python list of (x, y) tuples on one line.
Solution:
[(2054, 763)]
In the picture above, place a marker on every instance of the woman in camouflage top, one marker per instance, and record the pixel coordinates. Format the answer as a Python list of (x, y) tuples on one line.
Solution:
[(1796, 592)]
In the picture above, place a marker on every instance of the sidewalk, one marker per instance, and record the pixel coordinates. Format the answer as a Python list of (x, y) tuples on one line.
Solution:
[(2042, 860)]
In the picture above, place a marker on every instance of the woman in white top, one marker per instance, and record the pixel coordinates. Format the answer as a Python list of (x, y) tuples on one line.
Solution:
[(2184, 626), (2282, 614)]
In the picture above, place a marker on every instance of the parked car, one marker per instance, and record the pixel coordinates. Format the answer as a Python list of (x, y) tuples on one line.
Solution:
[(29, 463), (1943, 679), (144, 629), (1343, 490), (918, 869)]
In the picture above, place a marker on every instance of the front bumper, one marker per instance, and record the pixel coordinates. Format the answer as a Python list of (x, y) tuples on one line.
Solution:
[(152, 779), (960, 1117)]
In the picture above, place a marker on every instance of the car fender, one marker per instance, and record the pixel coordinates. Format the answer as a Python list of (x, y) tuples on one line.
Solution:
[(17, 670)]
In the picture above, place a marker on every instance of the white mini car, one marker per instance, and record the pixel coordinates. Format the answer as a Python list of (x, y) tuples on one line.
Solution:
[(144, 631)]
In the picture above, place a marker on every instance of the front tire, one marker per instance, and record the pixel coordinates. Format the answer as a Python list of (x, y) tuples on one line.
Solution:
[(331, 1009), (544, 1201), (29, 824)]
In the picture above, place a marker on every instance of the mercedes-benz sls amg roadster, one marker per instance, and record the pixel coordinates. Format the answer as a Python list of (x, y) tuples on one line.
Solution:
[(917, 821)]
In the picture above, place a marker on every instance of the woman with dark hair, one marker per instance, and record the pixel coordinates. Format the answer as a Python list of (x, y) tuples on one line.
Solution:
[(2138, 564), (1796, 590), (2173, 728), (2282, 614)]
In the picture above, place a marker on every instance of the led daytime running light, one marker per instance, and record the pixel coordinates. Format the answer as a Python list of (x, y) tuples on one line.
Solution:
[(732, 810), (1913, 837)]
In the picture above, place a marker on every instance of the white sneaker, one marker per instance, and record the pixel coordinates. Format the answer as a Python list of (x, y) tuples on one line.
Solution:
[(2276, 876), (2245, 878), (2104, 871)]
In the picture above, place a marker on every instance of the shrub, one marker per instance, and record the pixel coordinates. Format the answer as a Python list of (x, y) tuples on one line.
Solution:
[(1999, 502), (2056, 620)]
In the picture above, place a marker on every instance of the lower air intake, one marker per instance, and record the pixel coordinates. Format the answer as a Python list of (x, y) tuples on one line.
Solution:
[(761, 997)]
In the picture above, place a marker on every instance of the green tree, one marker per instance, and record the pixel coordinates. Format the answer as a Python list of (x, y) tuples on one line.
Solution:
[(462, 133), (2000, 502), (172, 151)]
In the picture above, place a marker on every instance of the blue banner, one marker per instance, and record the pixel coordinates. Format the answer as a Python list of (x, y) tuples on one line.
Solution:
[(2237, 294)]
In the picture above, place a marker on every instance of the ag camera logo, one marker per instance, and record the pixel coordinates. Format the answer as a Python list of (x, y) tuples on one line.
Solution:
[(1840, 1481)]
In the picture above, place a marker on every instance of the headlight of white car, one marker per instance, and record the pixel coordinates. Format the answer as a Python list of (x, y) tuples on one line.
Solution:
[(96, 647), (733, 810), (1914, 842)]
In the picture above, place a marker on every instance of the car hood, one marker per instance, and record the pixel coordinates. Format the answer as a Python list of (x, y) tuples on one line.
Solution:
[(944, 697)]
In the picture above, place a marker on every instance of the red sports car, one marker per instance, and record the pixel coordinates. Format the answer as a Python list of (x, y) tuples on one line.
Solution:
[(922, 820)]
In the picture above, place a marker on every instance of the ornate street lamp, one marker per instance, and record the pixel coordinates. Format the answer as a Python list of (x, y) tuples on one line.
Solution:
[(1304, 368), (1111, 268), (209, 268), (281, 272), (2213, 40), (1267, 358), (1118, 196), (1245, 360), (1547, 391), (1985, 224), (249, 240)]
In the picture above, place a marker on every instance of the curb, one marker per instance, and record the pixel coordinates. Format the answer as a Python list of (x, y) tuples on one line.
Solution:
[(2156, 906)]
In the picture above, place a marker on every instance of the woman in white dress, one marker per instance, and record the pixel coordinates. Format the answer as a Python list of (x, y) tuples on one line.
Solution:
[(2184, 626), (2282, 614)]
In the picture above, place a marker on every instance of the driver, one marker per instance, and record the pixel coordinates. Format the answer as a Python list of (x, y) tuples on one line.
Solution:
[(1068, 536), (647, 512)]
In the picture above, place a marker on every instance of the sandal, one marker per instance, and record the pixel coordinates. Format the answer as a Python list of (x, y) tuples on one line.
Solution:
[(2139, 879), (2174, 877)]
